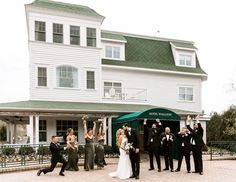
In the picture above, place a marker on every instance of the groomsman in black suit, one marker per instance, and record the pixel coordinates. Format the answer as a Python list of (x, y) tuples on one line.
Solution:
[(197, 144), (167, 139), (154, 143), (134, 153), (56, 157), (184, 147)]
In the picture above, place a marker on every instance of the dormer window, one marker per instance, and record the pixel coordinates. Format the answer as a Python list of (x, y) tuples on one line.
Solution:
[(112, 52), (185, 60)]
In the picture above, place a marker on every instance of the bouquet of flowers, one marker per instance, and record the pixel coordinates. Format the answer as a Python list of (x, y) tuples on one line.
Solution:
[(128, 146)]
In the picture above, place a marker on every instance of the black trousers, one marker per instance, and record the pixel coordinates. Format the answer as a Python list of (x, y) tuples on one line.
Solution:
[(54, 163), (183, 152), (197, 157), (168, 157), (135, 162), (153, 150)]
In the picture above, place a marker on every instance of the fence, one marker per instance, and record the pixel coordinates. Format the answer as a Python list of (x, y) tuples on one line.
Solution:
[(222, 149)]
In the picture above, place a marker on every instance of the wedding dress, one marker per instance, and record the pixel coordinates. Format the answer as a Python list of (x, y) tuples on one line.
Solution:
[(124, 170)]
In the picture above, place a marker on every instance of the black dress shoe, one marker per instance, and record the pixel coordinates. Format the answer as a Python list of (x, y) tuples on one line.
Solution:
[(166, 169), (171, 170), (132, 176), (201, 173), (39, 172), (195, 172), (177, 170), (189, 171), (137, 177), (61, 174), (159, 170), (150, 169)]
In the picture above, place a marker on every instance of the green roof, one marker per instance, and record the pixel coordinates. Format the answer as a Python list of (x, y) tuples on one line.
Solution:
[(56, 106), (153, 54), (60, 6), (183, 45), (107, 35)]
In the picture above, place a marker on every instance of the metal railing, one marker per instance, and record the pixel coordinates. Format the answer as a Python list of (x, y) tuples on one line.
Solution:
[(125, 94), (222, 149)]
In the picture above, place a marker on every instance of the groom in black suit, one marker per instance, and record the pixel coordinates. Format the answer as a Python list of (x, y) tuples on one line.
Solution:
[(134, 153)]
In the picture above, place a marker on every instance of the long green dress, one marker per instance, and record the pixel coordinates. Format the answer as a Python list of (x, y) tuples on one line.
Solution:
[(89, 154), (100, 153), (73, 159)]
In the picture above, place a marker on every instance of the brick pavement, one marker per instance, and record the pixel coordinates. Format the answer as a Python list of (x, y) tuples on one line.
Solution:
[(214, 171)]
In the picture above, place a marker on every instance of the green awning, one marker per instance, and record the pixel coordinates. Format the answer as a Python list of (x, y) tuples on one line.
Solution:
[(160, 113)]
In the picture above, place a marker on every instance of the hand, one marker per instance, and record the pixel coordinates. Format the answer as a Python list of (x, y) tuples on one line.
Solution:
[(163, 138), (157, 120), (94, 122), (136, 151), (189, 118), (145, 121), (84, 122), (197, 117)]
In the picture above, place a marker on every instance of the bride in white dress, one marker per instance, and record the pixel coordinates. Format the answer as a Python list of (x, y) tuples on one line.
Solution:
[(124, 170)]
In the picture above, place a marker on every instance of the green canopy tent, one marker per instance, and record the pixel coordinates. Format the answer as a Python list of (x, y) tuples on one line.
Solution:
[(135, 120)]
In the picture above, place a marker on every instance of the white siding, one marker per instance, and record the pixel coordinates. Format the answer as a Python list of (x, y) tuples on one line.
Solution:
[(162, 89), (51, 56)]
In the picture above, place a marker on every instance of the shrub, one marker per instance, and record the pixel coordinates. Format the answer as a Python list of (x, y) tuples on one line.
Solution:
[(8, 151), (44, 150), (108, 149), (26, 150)]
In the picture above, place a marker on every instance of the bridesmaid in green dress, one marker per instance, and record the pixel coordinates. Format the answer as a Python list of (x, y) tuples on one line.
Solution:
[(89, 146), (100, 147), (72, 149)]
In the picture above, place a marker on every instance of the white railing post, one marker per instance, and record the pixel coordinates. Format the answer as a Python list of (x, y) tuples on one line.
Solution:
[(36, 129), (110, 130)]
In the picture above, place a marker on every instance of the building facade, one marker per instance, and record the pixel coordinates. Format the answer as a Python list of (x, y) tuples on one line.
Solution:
[(76, 68)]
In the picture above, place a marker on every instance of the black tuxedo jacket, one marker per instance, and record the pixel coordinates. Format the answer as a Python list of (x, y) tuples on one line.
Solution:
[(133, 138), (197, 134), (167, 143), (184, 140), (56, 151), (154, 136)]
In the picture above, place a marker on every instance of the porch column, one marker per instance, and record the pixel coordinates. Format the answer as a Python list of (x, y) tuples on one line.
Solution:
[(110, 130), (8, 132), (36, 134), (11, 133), (105, 131), (30, 129)]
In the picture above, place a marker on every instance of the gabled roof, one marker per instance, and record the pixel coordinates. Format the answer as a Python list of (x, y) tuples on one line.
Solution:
[(70, 8), (183, 45), (78, 107), (152, 53)]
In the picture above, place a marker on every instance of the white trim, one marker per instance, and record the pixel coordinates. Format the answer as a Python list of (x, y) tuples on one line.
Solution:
[(204, 76), (113, 40)]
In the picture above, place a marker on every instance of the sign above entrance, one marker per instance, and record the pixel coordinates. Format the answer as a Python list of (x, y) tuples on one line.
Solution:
[(151, 114)]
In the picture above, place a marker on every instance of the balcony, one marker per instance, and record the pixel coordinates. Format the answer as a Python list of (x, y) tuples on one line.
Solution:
[(124, 94)]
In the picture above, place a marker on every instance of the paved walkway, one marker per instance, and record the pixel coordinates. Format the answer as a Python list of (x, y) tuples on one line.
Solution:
[(214, 171)]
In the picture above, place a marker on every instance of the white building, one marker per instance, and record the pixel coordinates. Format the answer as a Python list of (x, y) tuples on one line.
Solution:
[(76, 69)]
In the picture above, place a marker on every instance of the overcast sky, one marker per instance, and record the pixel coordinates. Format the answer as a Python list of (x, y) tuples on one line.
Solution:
[(210, 24)]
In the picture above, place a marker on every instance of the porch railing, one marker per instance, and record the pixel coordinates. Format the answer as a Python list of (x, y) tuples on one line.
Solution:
[(124, 94), (222, 149)]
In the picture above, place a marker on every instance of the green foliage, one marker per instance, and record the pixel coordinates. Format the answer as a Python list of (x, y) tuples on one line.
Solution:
[(222, 127), (8, 151), (44, 150), (26, 150), (3, 133)]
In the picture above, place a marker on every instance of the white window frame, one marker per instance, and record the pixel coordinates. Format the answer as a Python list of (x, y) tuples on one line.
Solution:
[(37, 70), (112, 47), (57, 81), (179, 53), (95, 74), (111, 81), (185, 93)]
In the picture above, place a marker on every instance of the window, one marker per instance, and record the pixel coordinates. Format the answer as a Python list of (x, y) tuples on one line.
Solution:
[(91, 37), (42, 76), (112, 52), (64, 125), (42, 130), (90, 80), (57, 33), (113, 90), (40, 31), (185, 60), (75, 35), (67, 76), (185, 94)]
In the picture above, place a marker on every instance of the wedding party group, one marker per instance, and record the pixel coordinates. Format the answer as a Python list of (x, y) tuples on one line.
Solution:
[(189, 139), (127, 140), (94, 152)]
